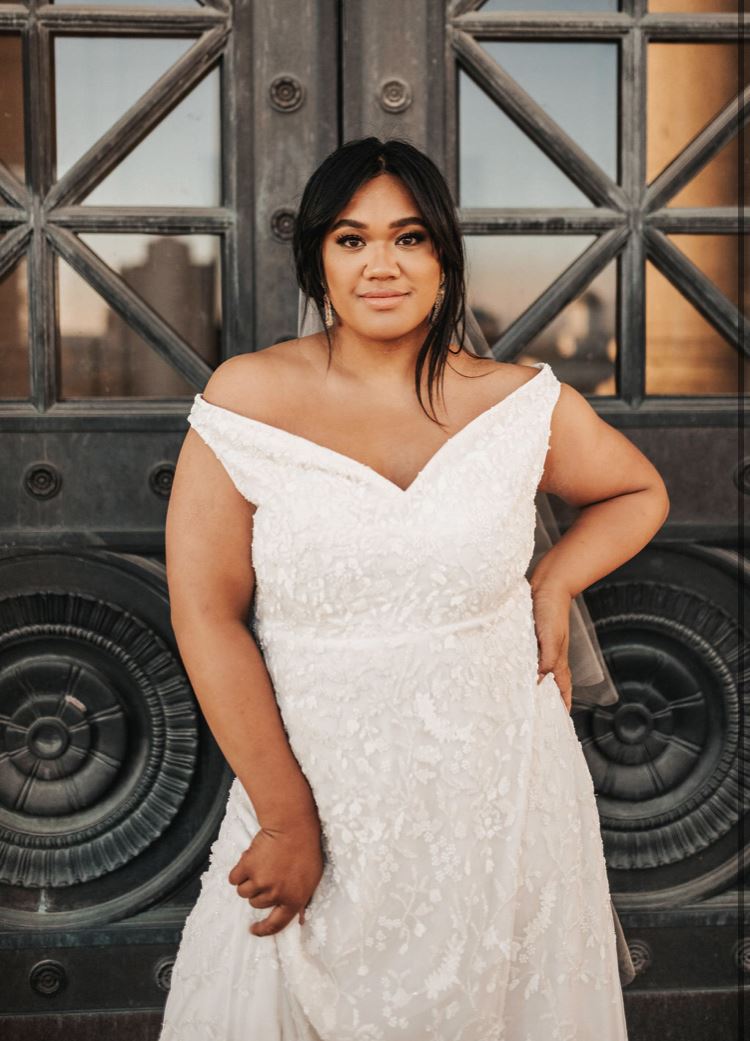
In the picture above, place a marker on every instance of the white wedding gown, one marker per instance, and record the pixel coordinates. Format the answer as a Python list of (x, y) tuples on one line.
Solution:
[(464, 895)]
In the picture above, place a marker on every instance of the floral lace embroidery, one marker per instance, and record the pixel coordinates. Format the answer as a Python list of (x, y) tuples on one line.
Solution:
[(464, 895)]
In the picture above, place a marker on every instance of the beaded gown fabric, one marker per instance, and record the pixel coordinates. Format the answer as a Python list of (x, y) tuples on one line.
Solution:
[(464, 895)]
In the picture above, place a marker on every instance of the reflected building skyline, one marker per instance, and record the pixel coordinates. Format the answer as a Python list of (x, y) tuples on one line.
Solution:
[(117, 362), (179, 163)]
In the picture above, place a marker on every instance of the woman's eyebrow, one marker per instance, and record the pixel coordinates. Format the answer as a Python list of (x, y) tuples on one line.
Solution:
[(394, 224)]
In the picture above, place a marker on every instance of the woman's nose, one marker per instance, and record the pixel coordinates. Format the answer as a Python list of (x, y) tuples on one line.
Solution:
[(381, 261)]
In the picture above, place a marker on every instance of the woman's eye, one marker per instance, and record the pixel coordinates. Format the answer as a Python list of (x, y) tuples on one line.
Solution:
[(415, 236)]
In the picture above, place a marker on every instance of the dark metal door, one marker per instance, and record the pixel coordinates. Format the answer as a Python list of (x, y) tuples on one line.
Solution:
[(145, 232), (150, 162), (598, 158)]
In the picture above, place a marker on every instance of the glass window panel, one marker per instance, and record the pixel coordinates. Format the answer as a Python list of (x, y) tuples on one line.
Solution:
[(97, 79), (100, 355), (499, 164), (718, 183), (178, 163), (690, 6), (507, 273), (550, 5), (178, 275), (718, 258), (684, 353), (11, 105), (682, 99), (14, 333), (580, 343), (575, 84)]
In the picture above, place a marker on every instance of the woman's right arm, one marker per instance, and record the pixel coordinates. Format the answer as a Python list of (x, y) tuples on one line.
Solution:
[(211, 581)]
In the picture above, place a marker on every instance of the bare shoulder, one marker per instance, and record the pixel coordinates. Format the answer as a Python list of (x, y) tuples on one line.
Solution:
[(258, 383), (502, 377)]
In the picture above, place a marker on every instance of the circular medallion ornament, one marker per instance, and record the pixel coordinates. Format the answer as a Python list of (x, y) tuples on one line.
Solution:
[(163, 973), (282, 225), (160, 479), (42, 480), (395, 95), (742, 476), (640, 955), (110, 788), (666, 758), (48, 977), (287, 94)]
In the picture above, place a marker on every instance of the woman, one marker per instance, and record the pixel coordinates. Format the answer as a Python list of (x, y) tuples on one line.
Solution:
[(411, 847)]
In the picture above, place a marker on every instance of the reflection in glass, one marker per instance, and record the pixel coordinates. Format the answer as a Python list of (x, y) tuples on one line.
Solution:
[(718, 183), (580, 343), (575, 84), (499, 165), (178, 163), (100, 355), (14, 333), (11, 106), (179, 276), (682, 99), (97, 79), (718, 258), (692, 6), (684, 353), (507, 273), (550, 5)]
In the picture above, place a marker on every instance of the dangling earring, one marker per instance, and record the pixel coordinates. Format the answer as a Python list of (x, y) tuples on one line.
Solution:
[(435, 311), (327, 311)]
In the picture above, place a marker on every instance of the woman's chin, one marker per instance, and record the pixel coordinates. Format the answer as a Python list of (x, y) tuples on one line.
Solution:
[(386, 326)]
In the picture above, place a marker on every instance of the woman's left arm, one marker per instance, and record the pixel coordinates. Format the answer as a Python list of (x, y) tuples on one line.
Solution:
[(623, 502)]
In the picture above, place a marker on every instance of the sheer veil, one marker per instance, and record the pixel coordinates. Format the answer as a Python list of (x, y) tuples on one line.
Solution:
[(592, 681)]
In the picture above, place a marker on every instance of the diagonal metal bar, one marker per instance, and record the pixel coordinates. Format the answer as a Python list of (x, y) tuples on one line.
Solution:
[(537, 125), (130, 306), (221, 5), (701, 150), (517, 221), (12, 248), (459, 7), (138, 121), (702, 293), (565, 289), (719, 220), (13, 190)]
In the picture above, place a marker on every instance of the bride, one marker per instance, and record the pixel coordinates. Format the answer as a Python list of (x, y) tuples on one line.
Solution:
[(411, 846)]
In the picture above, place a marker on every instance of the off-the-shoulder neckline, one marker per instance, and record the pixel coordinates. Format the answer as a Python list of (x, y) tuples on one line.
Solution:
[(355, 464)]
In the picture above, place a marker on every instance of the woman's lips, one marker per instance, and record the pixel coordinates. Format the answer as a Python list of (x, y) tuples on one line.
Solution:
[(384, 302)]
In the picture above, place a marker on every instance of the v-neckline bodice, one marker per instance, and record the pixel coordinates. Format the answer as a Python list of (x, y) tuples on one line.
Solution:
[(359, 468)]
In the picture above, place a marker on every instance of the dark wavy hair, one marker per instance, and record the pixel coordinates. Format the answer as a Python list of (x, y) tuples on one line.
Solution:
[(327, 192)]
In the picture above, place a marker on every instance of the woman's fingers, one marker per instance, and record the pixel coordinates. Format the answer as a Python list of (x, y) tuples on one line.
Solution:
[(277, 920), (564, 681)]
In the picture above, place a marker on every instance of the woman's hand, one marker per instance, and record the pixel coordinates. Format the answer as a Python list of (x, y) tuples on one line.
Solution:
[(281, 868), (551, 607)]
